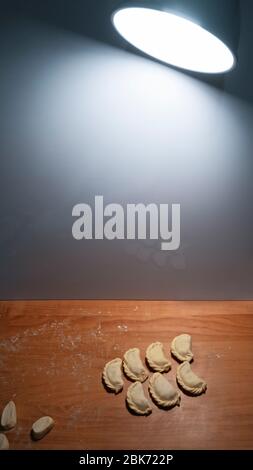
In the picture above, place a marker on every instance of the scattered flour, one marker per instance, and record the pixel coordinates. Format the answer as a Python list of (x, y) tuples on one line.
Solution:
[(123, 328)]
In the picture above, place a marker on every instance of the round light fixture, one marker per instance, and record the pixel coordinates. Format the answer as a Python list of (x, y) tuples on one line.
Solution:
[(173, 39)]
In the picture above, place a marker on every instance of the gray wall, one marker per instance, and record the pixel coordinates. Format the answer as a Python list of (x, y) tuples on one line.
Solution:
[(81, 118)]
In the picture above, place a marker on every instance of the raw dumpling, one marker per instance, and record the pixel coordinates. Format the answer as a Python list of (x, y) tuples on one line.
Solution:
[(190, 381), (41, 427), (181, 348), (133, 367), (9, 416), (137, 401), (112, 375), (4, 443), (156, 358), (162, 392)]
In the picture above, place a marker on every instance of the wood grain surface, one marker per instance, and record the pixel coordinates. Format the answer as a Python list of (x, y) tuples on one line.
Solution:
[(52, 354)]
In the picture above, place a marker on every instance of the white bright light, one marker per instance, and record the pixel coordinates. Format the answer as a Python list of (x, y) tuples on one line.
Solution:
[(173, 39)]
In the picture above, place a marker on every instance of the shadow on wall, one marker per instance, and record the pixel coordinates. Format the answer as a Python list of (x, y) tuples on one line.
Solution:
[(239, 81), (91, 18)]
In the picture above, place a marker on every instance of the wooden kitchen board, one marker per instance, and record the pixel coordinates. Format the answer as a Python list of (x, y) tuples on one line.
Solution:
[(52, 354)]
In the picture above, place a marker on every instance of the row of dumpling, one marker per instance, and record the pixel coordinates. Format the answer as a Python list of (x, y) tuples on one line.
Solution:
[(163, 393)]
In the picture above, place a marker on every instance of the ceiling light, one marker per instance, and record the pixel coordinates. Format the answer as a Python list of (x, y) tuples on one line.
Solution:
[(174, 39)]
